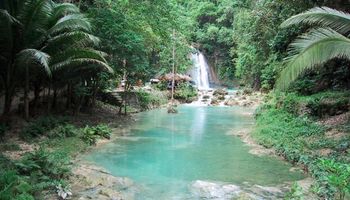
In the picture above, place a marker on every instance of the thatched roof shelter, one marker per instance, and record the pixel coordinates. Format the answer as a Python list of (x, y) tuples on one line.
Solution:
[(178, 77)]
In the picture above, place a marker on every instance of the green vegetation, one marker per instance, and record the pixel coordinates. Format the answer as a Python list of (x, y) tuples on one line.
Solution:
[(54, 51), (149, 100), (185, 93), (288, 123), (59, 57), (47, 168), (41, 126), (91, 134), (319, 45)]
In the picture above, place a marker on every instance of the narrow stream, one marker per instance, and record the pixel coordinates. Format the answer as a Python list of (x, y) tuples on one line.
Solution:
[(166, 154)]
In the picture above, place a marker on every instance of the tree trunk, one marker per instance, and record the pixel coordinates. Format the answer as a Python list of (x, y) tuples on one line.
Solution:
[(125, 100), (9, 89), (69, 96), (54, 100), (94, 93), (49, 99), (8, 101), (26, 97), (173, 79), (36, 97)]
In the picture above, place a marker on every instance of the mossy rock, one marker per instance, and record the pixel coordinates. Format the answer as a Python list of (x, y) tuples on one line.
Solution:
[(220, 92)]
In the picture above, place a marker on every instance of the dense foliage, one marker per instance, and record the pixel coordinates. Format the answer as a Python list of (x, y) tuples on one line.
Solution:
[(46, 170), (44, 46), (288, 123), (63, 54)]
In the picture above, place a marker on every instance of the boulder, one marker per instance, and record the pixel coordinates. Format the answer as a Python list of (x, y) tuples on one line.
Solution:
[(206, 96), (214, 101), (211, 190), (220, 92), (231, 102), (221, 97), (246, 103)]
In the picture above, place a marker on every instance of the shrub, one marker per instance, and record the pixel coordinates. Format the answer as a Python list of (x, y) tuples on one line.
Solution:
[(300, 138), (44, 165), (317, 105), (62, 131), (149, 100), (40, 126), (295, 193), (9, 147), (12, 186), (91, 133), (303, 86), (161, 86), (338, 176), (185, 91), (103, 130), (247, 91)]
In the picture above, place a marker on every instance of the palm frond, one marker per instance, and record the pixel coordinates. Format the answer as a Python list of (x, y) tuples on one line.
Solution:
[(34, 14), (33, 57), (6, 33), (72, 22), (5, 15), (79, 53), (62, 9), (70, 39), (311, 50), (322, 16), (75, 64)]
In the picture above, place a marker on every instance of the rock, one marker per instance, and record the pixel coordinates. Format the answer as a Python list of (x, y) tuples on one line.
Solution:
[(221, 97), (111, 194), (231, 102), (210, 190), (246, 103), (93, 182), (172, 109), (206, 97), (220, 92), (214, 101)]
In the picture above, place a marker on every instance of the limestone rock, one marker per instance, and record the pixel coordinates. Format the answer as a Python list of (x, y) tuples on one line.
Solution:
[(210, 190), (220, 92), (231, 102)]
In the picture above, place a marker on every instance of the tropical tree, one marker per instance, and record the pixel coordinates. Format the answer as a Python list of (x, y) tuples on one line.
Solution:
[(327, 41), (45, 42)]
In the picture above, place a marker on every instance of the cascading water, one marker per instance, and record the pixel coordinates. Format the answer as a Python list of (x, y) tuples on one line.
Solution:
[(200, 72)]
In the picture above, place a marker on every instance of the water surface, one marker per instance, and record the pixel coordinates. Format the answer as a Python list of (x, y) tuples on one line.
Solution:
[(165, 153)]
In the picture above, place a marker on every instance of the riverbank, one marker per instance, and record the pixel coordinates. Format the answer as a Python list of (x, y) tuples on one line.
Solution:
[(39, 157), (312, 132)]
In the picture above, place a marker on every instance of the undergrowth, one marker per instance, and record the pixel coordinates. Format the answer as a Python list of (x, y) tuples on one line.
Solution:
[(289, 124), (45, 169)]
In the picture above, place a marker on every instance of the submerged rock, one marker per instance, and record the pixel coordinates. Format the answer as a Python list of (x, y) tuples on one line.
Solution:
[(210, 190), (218, 191), (92, 182)]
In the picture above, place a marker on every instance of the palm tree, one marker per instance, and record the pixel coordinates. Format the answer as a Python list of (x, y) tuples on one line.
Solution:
[(43, 37), (327, 41)]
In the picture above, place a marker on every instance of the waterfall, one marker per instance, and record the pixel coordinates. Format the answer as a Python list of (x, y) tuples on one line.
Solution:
[(200, 71)]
